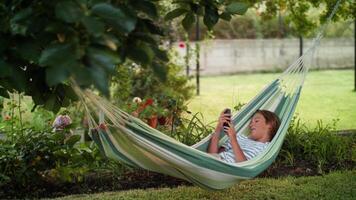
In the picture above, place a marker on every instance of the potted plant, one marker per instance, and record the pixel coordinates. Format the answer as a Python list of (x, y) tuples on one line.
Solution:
[(147, 109)]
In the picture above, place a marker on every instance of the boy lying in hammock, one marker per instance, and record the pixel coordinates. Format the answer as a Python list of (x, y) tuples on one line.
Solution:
[(263, 126)]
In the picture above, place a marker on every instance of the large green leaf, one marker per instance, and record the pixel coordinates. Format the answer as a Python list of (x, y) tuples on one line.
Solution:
[(72, 140), (29, 50), (147, 7), (160, 71), (104, 58), (108, 40), (37, 97), (141, 54), (117, 17), (18, 23), (3, 43), (52, 103), (211, 17), (82, 75), (145, 37), (70, 93), (225, 16), (68, 11), (175, 13), (152, 28), (58, 55), (161, 54), (188, 21), (56, 74), (237, 8), (22, 15), (5, 69), (100, 79), (4, 93), (93, 26)]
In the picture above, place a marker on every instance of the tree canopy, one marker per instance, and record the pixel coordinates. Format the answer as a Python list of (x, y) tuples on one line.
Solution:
[(44, 43)]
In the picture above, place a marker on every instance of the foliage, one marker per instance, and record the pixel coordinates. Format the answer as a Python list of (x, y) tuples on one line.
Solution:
[(146, 85), (211, 11), (121, 84), (320, 146), (95, 37), (296, 13), (147, 108), (92, 36), (30, 157), (19, 112), (169, 97), (190, 131)]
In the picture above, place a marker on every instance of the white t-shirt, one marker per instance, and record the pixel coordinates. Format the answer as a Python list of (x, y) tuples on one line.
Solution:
[(250, 148)]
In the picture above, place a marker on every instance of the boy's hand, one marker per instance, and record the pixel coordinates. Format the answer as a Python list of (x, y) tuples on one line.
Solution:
[(222, 118), (103, 126), (230, 130)]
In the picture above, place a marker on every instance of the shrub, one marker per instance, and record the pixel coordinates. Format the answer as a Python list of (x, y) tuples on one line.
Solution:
[(320, 146), (169, 96), (190, 131), (29, 158)]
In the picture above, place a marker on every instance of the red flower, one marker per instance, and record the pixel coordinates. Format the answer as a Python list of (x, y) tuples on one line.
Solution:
[(181, 45), (149, 102), (7, 117)]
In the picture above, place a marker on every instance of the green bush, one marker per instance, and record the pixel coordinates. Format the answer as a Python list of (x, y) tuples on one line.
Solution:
[(169, 96), (321, 146), (146, 85), (30, 157)]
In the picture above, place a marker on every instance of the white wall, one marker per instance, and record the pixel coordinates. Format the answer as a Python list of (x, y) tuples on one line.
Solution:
[(249, 55)]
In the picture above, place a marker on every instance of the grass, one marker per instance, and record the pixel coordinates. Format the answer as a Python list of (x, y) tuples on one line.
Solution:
[(326, 95), (336, 185)]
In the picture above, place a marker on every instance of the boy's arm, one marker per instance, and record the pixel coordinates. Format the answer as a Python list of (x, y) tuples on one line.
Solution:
[(239, 154)]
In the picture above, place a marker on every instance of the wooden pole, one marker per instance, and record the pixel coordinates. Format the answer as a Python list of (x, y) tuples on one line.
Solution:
[(197, 49), (300, 45), (187, 56), (355, 55)]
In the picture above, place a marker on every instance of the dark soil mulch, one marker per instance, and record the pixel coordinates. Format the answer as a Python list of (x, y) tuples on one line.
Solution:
[(141, 179), (303, 168)]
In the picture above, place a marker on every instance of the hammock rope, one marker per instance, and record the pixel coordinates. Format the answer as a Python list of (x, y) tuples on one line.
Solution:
[(133, 142)]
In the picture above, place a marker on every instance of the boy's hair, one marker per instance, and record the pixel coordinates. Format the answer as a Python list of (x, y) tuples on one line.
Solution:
[(272, 119)]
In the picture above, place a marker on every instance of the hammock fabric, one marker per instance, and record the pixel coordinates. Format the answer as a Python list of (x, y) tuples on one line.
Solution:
[(133, 142)]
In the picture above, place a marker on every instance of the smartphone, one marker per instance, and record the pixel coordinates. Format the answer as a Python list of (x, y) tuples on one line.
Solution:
[(226, 125)]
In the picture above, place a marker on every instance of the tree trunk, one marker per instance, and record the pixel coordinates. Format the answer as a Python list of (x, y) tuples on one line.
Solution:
[(300, 45)]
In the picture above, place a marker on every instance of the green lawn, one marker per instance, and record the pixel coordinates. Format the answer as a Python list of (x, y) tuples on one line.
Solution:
[(337, 185), (326, 95)]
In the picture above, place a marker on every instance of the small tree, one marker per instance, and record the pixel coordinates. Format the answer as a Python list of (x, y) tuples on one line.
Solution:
[(44, 43)]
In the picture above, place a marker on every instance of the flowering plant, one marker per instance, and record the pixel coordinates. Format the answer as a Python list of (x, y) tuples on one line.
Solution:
[(61, 122), (146, 108)]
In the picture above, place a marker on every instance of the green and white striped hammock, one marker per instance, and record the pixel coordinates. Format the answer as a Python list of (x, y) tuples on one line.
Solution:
[(133, 142)]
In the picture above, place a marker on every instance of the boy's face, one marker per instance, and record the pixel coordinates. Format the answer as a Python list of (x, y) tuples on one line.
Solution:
[(258, 127)]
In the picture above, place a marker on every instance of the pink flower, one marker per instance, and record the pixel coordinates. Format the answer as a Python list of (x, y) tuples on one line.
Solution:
[(61, 122), (181, 45)]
